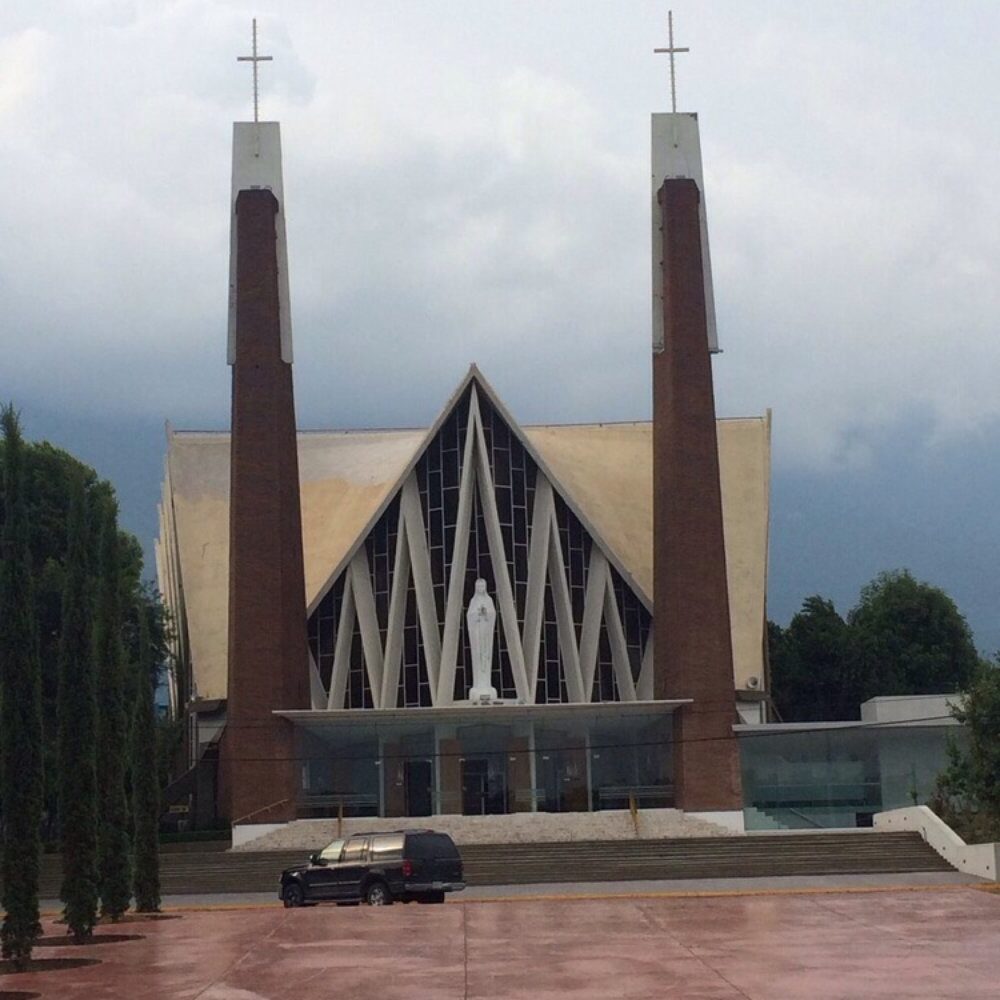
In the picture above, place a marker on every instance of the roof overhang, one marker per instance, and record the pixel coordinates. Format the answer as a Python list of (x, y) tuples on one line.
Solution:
[(463, 714), (765, 728)]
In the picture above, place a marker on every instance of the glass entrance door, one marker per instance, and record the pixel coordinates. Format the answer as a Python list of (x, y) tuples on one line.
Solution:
[(484, 786)]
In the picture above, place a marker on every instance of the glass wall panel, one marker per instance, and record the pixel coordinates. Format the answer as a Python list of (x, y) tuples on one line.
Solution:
[(838, 776), (345, 776), (631, 760)]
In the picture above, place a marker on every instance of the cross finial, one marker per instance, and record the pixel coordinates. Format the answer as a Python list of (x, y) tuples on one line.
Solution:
[(254, 59), (671, 51)]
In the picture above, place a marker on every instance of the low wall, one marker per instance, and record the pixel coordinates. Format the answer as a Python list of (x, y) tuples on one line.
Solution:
[(244, 833), (973, 859), (515, 828)]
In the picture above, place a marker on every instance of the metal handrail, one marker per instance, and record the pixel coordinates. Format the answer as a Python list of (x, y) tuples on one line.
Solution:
[(263, 809)]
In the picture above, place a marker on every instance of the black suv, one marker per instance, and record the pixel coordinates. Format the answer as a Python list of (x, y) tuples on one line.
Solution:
[(378, 869)]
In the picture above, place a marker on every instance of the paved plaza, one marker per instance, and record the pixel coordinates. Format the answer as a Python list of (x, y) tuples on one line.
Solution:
[(934, 942)]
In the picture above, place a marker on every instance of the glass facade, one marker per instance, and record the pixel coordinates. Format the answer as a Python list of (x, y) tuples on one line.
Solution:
[(837, 776), (581, 761), (551, 759)]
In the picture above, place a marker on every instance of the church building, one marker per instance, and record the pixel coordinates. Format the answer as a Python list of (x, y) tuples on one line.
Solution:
[(475, 617)]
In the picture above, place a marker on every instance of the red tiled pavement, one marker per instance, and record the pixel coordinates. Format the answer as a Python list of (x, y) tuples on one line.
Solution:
[(921, 944)]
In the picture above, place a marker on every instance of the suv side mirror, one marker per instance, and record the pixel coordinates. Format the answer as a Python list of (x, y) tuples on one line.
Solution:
[(314, 859)]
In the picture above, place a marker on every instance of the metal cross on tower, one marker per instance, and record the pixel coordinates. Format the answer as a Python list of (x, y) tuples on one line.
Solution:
[(671, 51), (259, 59)]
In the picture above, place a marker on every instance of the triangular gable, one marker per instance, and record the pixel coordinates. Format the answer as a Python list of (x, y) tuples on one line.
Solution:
[(474, 375), (556, 607)]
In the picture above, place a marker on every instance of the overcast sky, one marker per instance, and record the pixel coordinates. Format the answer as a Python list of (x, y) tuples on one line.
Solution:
[(468, 181)]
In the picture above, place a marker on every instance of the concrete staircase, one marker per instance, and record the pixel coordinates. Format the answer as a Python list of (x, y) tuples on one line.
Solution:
[(580, 861), (728, 857)]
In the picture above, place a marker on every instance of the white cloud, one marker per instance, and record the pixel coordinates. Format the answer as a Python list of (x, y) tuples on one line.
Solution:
[(22, 56), (469, 182)]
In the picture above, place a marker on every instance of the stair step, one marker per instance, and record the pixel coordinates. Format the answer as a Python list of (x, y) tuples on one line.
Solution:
[(584, 861)]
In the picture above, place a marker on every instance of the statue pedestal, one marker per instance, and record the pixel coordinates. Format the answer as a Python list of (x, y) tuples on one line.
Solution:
[(486, 703), (484, 696)]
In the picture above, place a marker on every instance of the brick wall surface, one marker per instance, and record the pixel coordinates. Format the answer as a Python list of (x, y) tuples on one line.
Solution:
[(268, 655), (693, 649)]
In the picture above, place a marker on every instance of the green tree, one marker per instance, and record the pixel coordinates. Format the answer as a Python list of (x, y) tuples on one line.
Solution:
[(112, 721), (902, 637), (145, 777), (967, 795), (77, 714), (20, 712), (810, 677), (49, 475), (908, 637)]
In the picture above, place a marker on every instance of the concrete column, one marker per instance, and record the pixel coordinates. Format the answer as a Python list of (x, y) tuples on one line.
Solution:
[(519, 773), (693, 652)]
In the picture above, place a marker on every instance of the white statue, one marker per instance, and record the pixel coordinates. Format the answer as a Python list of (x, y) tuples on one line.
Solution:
[(481, 619)]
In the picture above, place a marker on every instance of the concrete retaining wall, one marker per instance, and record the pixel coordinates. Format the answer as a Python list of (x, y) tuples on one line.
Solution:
[(973, 859), (517, 828)]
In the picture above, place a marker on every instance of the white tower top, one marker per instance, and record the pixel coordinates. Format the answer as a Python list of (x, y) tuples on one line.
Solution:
[(257, 165), (676, 152)]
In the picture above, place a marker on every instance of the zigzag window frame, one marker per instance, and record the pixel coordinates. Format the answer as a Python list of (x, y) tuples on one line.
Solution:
[(561, 585)]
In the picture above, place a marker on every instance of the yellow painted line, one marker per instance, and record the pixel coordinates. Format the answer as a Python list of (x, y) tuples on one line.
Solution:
[(714, 893), (547, 897), (552, 897)]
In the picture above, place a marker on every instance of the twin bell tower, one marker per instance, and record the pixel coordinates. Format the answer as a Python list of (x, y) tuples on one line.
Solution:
[(268, 654)]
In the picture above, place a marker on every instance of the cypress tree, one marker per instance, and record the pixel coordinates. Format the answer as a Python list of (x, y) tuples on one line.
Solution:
[(77, 716), (145, 778), (114, 875), (20, 712)]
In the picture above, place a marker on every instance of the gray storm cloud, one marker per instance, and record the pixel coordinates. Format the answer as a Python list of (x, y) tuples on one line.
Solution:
[(470, 183)]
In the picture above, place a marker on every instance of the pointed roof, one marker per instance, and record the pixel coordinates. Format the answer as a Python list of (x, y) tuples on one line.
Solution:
[(348, 478), (474, 375)]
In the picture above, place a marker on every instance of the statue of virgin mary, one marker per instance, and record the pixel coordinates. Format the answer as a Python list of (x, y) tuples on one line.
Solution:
[(481, 619)]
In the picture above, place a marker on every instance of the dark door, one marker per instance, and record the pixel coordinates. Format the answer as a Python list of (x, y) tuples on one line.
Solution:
[(549, 768), (496, 787), (475, 777), (484, 786), (419, 777)]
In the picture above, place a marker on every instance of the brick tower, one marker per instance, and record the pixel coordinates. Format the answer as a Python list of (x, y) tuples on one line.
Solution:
[(693, 651), (268, 654)]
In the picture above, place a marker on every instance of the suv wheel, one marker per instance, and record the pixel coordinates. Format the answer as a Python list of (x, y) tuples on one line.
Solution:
[(293, 895), (377, 894)]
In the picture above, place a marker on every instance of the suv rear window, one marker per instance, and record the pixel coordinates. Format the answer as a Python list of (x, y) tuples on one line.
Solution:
[(386, 845), (430, 845)]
